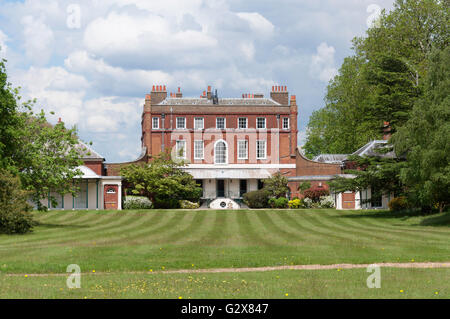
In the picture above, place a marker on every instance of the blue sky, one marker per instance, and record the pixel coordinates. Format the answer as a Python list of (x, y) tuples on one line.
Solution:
[(92, 62)]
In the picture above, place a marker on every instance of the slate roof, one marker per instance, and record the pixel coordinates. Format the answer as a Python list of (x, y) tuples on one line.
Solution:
[(222, 101), (370, 149), (330, 158), (87, 152)]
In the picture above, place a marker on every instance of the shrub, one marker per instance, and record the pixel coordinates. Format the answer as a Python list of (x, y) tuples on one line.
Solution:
[(398, 203), (295, 203), (137, 202), (257, 199), (326, 202), (281, 202), (308, 203), (15, 215), (185, 204), (315, 194)]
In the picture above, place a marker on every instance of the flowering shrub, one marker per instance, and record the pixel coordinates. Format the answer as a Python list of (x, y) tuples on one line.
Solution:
[(398, 203), (308, 202), (315, 194), (185, 204), (326, 202), (295, 203), (137, 202)]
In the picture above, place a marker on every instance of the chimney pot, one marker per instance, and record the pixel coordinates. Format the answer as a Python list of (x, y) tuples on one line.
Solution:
[(164, 88), (153, 89), (285, 88), (273, 88), (179, 89), (209, 88)]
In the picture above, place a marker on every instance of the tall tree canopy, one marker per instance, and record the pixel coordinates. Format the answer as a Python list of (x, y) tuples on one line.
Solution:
[(43, 156), (425, 139), (382, 80)]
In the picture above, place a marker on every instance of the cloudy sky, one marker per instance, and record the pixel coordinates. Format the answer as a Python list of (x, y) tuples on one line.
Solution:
[(93, 61)]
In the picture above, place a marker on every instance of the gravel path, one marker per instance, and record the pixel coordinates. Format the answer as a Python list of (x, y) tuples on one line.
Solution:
[(256, 269)]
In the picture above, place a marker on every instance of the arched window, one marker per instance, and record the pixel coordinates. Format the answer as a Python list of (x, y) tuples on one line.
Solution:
[(220, 152)]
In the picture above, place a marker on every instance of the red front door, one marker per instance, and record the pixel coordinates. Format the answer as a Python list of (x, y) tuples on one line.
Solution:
[(111, 196)]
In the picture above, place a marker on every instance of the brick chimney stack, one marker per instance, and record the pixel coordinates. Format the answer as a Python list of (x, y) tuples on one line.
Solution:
[(179, 94), (293, 124), (387, 131), (146, 122), (158, 94), (280, 94)]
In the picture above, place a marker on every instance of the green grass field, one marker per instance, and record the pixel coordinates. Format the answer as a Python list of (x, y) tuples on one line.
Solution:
[(159, 240)]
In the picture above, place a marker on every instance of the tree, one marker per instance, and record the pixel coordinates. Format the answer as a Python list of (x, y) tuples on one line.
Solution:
[(380, 174), (382, 80), (304, 186), (162, 181), (276, 186), (424, 139), (15, 217), (43, 156)]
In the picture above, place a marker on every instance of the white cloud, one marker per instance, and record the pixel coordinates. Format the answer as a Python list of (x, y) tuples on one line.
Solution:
[(39, 40), (258, 23), (323, 64), (109, 114), (96, 76), (3, 46)]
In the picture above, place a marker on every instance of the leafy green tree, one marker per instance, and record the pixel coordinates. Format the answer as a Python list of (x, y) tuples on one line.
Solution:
[(276, 186), (304, 186), (382, 80), (15, 216), (424, 139), (380, 174), (43, 156), (162, 181)]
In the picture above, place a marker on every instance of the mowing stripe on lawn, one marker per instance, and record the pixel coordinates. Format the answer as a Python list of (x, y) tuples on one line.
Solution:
[(248, 233), (217, 233), (393, 232), (289, 237), (170, 221)]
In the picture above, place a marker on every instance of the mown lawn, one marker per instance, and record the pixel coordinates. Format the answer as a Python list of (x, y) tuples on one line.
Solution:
[(126, 241), (343, 283)]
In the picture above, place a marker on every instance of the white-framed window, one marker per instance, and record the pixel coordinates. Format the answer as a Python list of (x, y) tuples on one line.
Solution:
[(198, 123), (181, 149), (198, 149), (220, 152), (242, 122), (181, 122), (243, 149), (220, 123), (260, 122), (285, 123), (155, 123), (260, 149)]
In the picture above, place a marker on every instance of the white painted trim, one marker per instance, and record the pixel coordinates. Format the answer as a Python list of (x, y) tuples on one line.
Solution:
[(224, 122), (246, 154), (226, 152), (238, 166), (265, 149), (246, 123), (203, 150)]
